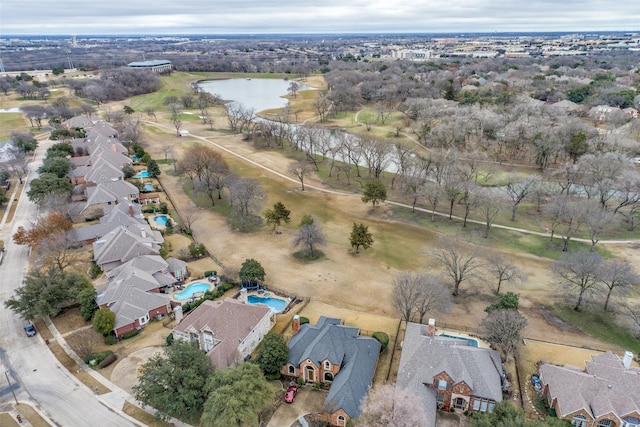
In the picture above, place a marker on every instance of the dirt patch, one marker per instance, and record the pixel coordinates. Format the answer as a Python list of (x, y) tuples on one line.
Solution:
[(125, 373), (557, 322)]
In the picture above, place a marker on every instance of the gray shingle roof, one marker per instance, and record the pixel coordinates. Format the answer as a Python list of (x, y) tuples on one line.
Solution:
[(604, 387), (120, 245), (341, 345), (230, 321), (424, 357)]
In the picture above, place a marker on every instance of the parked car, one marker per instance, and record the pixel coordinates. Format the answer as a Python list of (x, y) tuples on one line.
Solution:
[(29, 329), (290, 395)]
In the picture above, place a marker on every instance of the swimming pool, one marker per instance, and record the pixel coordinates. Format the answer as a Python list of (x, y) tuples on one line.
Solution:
[(277, 304), (471, 341), (161, 220), (142, 174), (194, 289)]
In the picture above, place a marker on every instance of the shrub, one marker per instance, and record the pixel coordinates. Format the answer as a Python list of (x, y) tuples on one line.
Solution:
[(382, 338), (304, 320), (273, 376), (98, 357), (170, 339), (130, 334), (107, 361), (300, 381), (163, 208), (95, 270), (209, 273), (110, 339)]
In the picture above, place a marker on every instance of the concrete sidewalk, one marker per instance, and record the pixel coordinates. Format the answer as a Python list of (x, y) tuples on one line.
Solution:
[(116, 398)]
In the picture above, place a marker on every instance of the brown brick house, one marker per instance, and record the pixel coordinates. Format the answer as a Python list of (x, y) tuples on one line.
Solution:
[(604, 394), (448, 372), (336, 356)]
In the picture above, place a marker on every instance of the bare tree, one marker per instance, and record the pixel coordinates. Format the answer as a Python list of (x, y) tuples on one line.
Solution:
[(503, 270), (174, 109), (597, 219), (579, 272), (631, 314), (387, 405), (518, 190), (566, 215), (246, 196), (85, 342), (190, 216), (489, 207), (300, 170), (416, 294), (461, 262), (617, 276), (310, 237), (322, 105), (503, 328)]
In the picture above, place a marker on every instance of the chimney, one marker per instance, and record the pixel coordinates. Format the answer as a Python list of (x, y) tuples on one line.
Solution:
[(296, 324), (143, 233), (177, 311), (431, 331), (131, 212), (243, 296), (626, 360)]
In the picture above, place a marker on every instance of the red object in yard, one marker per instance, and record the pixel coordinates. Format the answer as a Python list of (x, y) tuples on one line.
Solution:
[(290, 395)]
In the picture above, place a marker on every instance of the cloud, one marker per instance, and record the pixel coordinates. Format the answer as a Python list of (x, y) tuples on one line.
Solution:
[(319, 16)]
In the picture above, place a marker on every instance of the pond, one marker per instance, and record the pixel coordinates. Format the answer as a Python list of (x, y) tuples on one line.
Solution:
[(259, 94)]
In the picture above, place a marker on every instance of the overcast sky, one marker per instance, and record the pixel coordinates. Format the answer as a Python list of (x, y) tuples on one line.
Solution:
[(318, 16)]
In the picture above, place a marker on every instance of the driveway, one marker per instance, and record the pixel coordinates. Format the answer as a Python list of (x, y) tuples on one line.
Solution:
[(308, 401)]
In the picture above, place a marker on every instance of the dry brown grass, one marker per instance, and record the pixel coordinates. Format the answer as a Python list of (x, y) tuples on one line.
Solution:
[(69, 321), (143, 416), (92, 383), (7, 420), (30, 414)]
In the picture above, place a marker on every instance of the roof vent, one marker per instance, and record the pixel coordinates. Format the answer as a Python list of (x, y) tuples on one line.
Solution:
[(609, 386)]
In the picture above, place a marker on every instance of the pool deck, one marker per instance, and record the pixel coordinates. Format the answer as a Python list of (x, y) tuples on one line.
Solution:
[(481, 343), (184, 287)]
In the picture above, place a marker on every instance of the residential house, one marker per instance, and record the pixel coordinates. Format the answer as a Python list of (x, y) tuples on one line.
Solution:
[(606, 393), (78, 122), (122, 244), (149, 198), (102, 195), (177, 268), (135, 293), (448, 372), (123, 214), (334, 355), (227, 330)]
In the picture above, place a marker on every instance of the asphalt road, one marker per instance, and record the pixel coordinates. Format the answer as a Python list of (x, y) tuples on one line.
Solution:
[(37, 376)]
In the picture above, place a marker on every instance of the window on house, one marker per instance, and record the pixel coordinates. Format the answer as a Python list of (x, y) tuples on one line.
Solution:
[(292, 369), (579, 421), (341, 420), (604, 423), (327, 365), (491, 406), (476, 405), (440, 397), (145, 319), (483, 406), (459, 403), (443, 385), (631, 422), (328, 376)]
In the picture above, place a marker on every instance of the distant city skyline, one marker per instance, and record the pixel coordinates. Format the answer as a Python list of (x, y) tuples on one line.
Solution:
[(322, 16)]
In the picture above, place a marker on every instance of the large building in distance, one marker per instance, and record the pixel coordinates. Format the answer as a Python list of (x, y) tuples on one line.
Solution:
[(157, 66)]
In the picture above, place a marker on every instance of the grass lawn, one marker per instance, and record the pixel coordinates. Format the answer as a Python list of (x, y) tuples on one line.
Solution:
[(10, 122), (600, 325)]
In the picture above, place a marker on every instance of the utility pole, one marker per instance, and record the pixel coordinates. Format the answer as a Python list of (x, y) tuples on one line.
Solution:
[(6, 374)]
